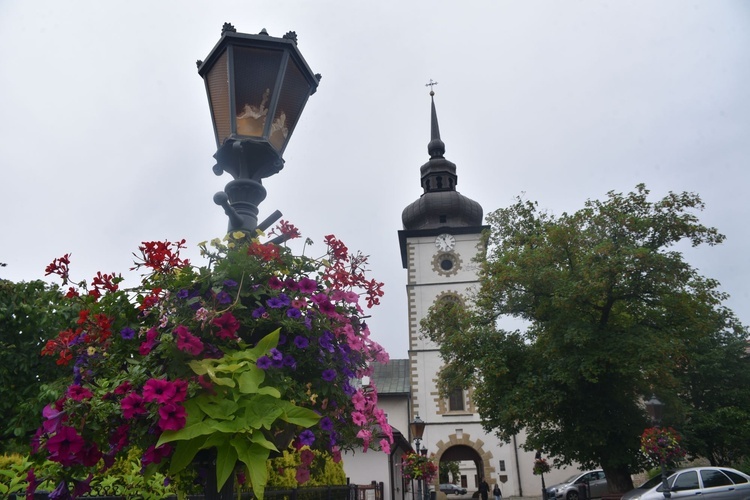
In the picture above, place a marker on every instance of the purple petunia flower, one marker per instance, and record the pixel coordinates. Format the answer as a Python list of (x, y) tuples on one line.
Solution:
[(230, 283), (127, 333), (325, 341), (223, 297), (259, 312), (183, 294), (349, 390), (275, 303), (264, 363), (301, 342), (307, 437), (326, 424), (276, 354), (329, 374), (290, 361), (293, 313)]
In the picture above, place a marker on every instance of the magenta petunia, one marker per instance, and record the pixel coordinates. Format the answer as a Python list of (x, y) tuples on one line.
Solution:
[(306, 285), (172, 417), (132, 405), (78, 393), (159, 390), (64, 446), (187, 342), (302, 475)]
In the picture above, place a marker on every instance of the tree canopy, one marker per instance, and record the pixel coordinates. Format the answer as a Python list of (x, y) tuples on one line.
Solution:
[(612, 313), (30, 313)]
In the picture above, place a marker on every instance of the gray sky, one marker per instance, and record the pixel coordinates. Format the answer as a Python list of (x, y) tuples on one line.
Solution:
[(106, 140)]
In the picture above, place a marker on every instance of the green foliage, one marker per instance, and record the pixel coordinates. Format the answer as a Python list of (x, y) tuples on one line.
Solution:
[(449, 472), (30, 313), (238, 417), (612, 313), (125, 478), (324, 471)]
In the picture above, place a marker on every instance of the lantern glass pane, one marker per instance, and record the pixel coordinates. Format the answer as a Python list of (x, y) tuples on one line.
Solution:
[(294, 93), (218, 92), (255, 74)]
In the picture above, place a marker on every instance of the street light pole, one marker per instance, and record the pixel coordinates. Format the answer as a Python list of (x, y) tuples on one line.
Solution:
[(423, 452), (655, 410), (417, 430)]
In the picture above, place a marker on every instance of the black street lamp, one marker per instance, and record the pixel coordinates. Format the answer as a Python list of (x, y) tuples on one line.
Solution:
[(257, 87), (655, 409), (417, 431)]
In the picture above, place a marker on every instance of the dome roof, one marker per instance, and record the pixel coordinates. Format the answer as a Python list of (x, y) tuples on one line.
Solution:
[(440, 205), (442, 209)]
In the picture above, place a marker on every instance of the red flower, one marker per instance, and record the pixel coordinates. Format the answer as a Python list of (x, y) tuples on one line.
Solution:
[(188, 342), (228, 324)]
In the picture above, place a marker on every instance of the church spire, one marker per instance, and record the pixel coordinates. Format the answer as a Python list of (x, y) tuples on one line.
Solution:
[(440, 205), (436, 147)]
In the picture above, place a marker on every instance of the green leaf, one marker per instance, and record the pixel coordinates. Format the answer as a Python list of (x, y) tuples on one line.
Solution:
[(304, 417), (184, 454), (249, 381), (218, 408), (226, 458), (254, 457), (201, 428)]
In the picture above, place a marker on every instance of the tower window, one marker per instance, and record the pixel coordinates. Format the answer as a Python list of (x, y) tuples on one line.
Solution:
[(456, 400), (446, 264), (439, 182)]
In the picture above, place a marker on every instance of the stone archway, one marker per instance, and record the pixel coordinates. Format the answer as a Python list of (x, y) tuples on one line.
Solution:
[(462, 447)]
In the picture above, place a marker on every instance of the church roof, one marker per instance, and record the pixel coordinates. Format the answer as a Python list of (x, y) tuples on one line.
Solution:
[(440, 205), (391, 377)]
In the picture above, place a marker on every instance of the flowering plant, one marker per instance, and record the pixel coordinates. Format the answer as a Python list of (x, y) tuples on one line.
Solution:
[(252, 353), (662, 445), (541, 466), (415, 466)]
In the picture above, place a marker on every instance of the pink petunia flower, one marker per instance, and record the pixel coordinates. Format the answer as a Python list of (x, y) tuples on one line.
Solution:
[(159, 390)]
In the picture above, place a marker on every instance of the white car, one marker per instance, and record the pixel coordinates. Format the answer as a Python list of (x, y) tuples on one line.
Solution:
[(594, 481), (708, 483)]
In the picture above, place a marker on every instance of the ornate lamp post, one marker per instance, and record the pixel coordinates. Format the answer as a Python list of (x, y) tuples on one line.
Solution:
[(257, 87), (655, 409), (417, 431)]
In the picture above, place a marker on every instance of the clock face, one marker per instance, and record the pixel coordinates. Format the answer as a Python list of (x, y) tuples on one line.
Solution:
[(445, 242)]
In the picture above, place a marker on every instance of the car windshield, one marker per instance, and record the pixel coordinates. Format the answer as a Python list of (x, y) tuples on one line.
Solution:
[(650, 483)]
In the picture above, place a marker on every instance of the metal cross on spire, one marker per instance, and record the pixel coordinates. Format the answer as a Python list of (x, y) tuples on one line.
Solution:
[(431, 84)]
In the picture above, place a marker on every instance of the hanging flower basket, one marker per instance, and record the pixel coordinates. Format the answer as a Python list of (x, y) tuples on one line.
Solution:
[(414, 466), (541, 466), (242, 357), (662, 445)]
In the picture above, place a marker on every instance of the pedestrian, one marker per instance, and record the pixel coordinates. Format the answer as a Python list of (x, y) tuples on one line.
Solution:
[(496, 492), (484, 489)]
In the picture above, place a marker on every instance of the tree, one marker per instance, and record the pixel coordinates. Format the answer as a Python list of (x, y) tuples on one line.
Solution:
[(30, 313), (611, 311), (449, 472)]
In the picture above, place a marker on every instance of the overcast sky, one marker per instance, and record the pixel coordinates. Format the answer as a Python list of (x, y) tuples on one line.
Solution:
[(106, 139)]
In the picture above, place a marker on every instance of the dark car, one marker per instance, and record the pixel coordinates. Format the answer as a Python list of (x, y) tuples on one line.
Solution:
[(714, 483), (594, 481), (448, 488)]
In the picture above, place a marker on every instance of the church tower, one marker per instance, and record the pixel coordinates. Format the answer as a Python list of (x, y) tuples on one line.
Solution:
[(441, 236)]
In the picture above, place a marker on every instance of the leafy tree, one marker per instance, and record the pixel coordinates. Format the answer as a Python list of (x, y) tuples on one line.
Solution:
[(716, 423), (449, 471), (30, 312), (612, 312)]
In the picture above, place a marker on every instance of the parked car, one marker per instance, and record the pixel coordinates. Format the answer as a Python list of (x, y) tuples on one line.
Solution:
[(594, 481), (639, 490), (448, 488), (714, 483)]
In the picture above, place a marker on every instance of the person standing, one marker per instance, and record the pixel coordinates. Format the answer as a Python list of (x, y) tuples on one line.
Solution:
[(496, 492), (484, 489)]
